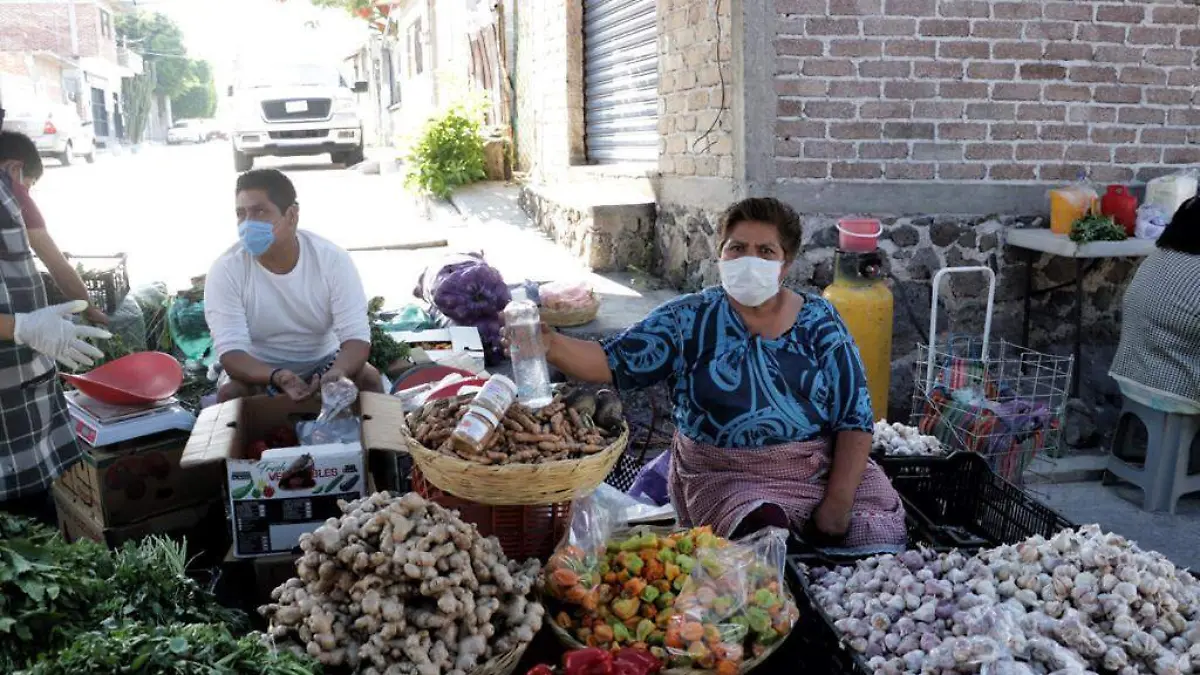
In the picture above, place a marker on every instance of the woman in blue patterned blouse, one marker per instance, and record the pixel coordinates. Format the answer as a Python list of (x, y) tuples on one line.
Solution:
[(771, 407)]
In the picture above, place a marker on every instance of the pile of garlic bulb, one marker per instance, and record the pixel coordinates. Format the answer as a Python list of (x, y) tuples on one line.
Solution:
[(901, 440), (1081, 602)]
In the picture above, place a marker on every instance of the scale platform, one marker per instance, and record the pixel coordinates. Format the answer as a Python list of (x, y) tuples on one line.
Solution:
[(100, 424)]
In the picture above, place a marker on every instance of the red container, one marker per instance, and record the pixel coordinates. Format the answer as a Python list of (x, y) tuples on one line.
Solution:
[(1121, 206), (524, 531), (858, 235)]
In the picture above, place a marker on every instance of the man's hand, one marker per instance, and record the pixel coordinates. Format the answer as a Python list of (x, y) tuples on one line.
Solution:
[(332, 375), (292, 385), (95, 316)]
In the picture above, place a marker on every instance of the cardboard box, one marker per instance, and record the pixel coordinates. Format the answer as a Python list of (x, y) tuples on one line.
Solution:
[(128, 482), (75, 521), (289, 491), (465, 348), (269, 572)]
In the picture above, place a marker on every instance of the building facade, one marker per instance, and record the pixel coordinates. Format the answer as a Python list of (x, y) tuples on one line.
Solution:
[(947, 119), (66, 53)]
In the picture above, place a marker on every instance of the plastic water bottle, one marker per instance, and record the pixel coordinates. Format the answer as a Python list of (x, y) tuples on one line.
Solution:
[(527, 351)]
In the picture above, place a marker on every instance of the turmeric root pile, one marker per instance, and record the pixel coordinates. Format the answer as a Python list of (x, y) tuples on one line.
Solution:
[(402, 586), (574, 425), (690, 598)]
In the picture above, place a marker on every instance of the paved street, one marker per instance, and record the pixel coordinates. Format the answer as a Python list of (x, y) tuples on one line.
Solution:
[(171, 210)]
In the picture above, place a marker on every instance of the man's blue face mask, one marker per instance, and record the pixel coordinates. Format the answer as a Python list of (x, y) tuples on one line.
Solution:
[(256, 235)]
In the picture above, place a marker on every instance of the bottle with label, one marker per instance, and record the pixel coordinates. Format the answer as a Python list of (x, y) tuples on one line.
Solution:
[(527, 351), (484, 414)]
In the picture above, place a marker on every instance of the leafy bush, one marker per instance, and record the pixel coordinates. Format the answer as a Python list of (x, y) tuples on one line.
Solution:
[(448, 154)]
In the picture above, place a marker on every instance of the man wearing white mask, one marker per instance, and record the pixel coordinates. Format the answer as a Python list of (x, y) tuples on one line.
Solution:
[(37, 443), (771, 408), (286, 307)]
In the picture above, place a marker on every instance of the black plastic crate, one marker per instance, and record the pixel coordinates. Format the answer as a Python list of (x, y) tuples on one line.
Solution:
[(950, 502), (106, 287), (962, 502)]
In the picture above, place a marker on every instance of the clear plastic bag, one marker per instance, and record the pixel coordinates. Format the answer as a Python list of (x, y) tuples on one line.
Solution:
[(691, 598), (1151, 221), (337, 422), (567, 295)]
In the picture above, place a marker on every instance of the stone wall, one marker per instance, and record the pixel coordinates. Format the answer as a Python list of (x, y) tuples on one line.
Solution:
[(695, 83), (965, 90), (549, 86)]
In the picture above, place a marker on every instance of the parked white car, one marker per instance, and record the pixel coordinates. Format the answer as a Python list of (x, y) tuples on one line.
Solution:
[(58, 132), (186, 131)]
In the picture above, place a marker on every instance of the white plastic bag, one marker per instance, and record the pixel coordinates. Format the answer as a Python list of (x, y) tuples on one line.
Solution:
[(1151, 221), (337, 422), (1170, 192), (567, 295)]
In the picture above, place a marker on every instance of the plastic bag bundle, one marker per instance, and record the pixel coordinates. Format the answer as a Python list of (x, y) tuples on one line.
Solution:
[(468, 292), (689, 597), (567, 295), (337, 422), (1151, 221)]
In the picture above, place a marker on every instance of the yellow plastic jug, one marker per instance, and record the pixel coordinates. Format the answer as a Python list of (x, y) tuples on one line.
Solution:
[(1069, 204), (865, 303)]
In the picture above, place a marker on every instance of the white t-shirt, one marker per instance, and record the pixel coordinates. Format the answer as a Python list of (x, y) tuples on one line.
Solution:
[(298, 317)]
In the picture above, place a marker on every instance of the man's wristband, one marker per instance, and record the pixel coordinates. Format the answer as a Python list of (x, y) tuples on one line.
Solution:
[(271, 377)]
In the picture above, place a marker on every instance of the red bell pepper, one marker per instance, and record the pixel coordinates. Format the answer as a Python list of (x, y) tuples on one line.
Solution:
[(591, 661), (641, 663), (541, 669)]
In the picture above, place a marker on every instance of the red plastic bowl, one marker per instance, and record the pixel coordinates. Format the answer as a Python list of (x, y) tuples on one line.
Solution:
[(136, 379)]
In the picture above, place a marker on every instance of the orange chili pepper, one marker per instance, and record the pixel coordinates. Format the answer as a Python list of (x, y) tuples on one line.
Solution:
[(692, 632)]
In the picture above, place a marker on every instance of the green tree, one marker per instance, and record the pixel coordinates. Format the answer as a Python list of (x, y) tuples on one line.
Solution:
[(199, 100), (160, 41)]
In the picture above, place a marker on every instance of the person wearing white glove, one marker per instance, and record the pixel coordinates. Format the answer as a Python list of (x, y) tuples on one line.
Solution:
[(51, 332), (38, 440)]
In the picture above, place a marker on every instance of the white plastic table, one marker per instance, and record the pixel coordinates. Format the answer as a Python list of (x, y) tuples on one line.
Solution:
[(1037, 241)]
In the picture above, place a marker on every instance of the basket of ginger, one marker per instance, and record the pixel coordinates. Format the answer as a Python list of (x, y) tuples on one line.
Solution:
[(532, 457), (697, 602)]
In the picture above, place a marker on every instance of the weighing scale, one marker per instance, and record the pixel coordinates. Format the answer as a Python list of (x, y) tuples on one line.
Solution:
[(100, 424)]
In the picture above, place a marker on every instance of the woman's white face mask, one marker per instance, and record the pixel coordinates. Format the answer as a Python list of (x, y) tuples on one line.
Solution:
[(750, 280)]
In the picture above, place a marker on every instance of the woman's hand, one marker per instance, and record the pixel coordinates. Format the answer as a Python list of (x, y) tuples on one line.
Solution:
[(548, 335), (832, 517)]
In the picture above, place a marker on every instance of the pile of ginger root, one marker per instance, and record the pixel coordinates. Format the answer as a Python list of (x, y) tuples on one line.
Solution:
[(402, 586)]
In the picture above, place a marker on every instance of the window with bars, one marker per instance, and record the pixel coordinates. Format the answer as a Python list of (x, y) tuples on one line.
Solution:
[(416, 50)]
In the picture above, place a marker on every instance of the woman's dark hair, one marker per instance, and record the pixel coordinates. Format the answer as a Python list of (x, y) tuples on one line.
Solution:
[(278, 187), (1183, 233), (764, 210), (18, 146)]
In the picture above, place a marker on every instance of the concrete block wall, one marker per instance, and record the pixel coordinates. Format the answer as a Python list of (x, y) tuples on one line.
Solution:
[(695, 83), (967, 90), (549, 86)]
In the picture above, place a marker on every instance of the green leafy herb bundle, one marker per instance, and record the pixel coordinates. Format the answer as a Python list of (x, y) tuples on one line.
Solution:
[(52, 591), (385, 350), (195, 649), (1096, 228)]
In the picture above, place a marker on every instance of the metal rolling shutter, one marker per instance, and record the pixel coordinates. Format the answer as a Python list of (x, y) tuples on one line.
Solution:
[(620, 42)]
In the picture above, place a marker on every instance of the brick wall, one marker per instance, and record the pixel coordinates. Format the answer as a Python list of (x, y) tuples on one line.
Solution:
[(965, 90), (695, 118), (549, 89), (33, 27)]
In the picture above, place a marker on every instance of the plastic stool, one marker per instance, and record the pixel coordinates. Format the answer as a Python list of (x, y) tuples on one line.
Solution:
[(1164, 476)]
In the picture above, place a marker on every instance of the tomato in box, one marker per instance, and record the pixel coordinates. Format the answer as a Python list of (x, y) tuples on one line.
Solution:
[(256, 450)]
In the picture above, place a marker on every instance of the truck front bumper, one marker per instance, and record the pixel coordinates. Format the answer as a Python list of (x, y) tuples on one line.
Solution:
[(297, 140)]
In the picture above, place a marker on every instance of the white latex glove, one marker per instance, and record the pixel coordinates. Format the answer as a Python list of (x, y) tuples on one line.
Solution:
[(50, 331)]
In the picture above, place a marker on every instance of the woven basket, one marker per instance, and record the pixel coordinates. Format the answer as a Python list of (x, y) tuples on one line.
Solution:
[(530, 531), (567, 640), (504, 664), (569, 318), (517, 484)]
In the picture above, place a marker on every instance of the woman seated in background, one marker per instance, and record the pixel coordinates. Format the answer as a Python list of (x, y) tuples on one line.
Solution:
[(1158, 359), (770, 399)]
